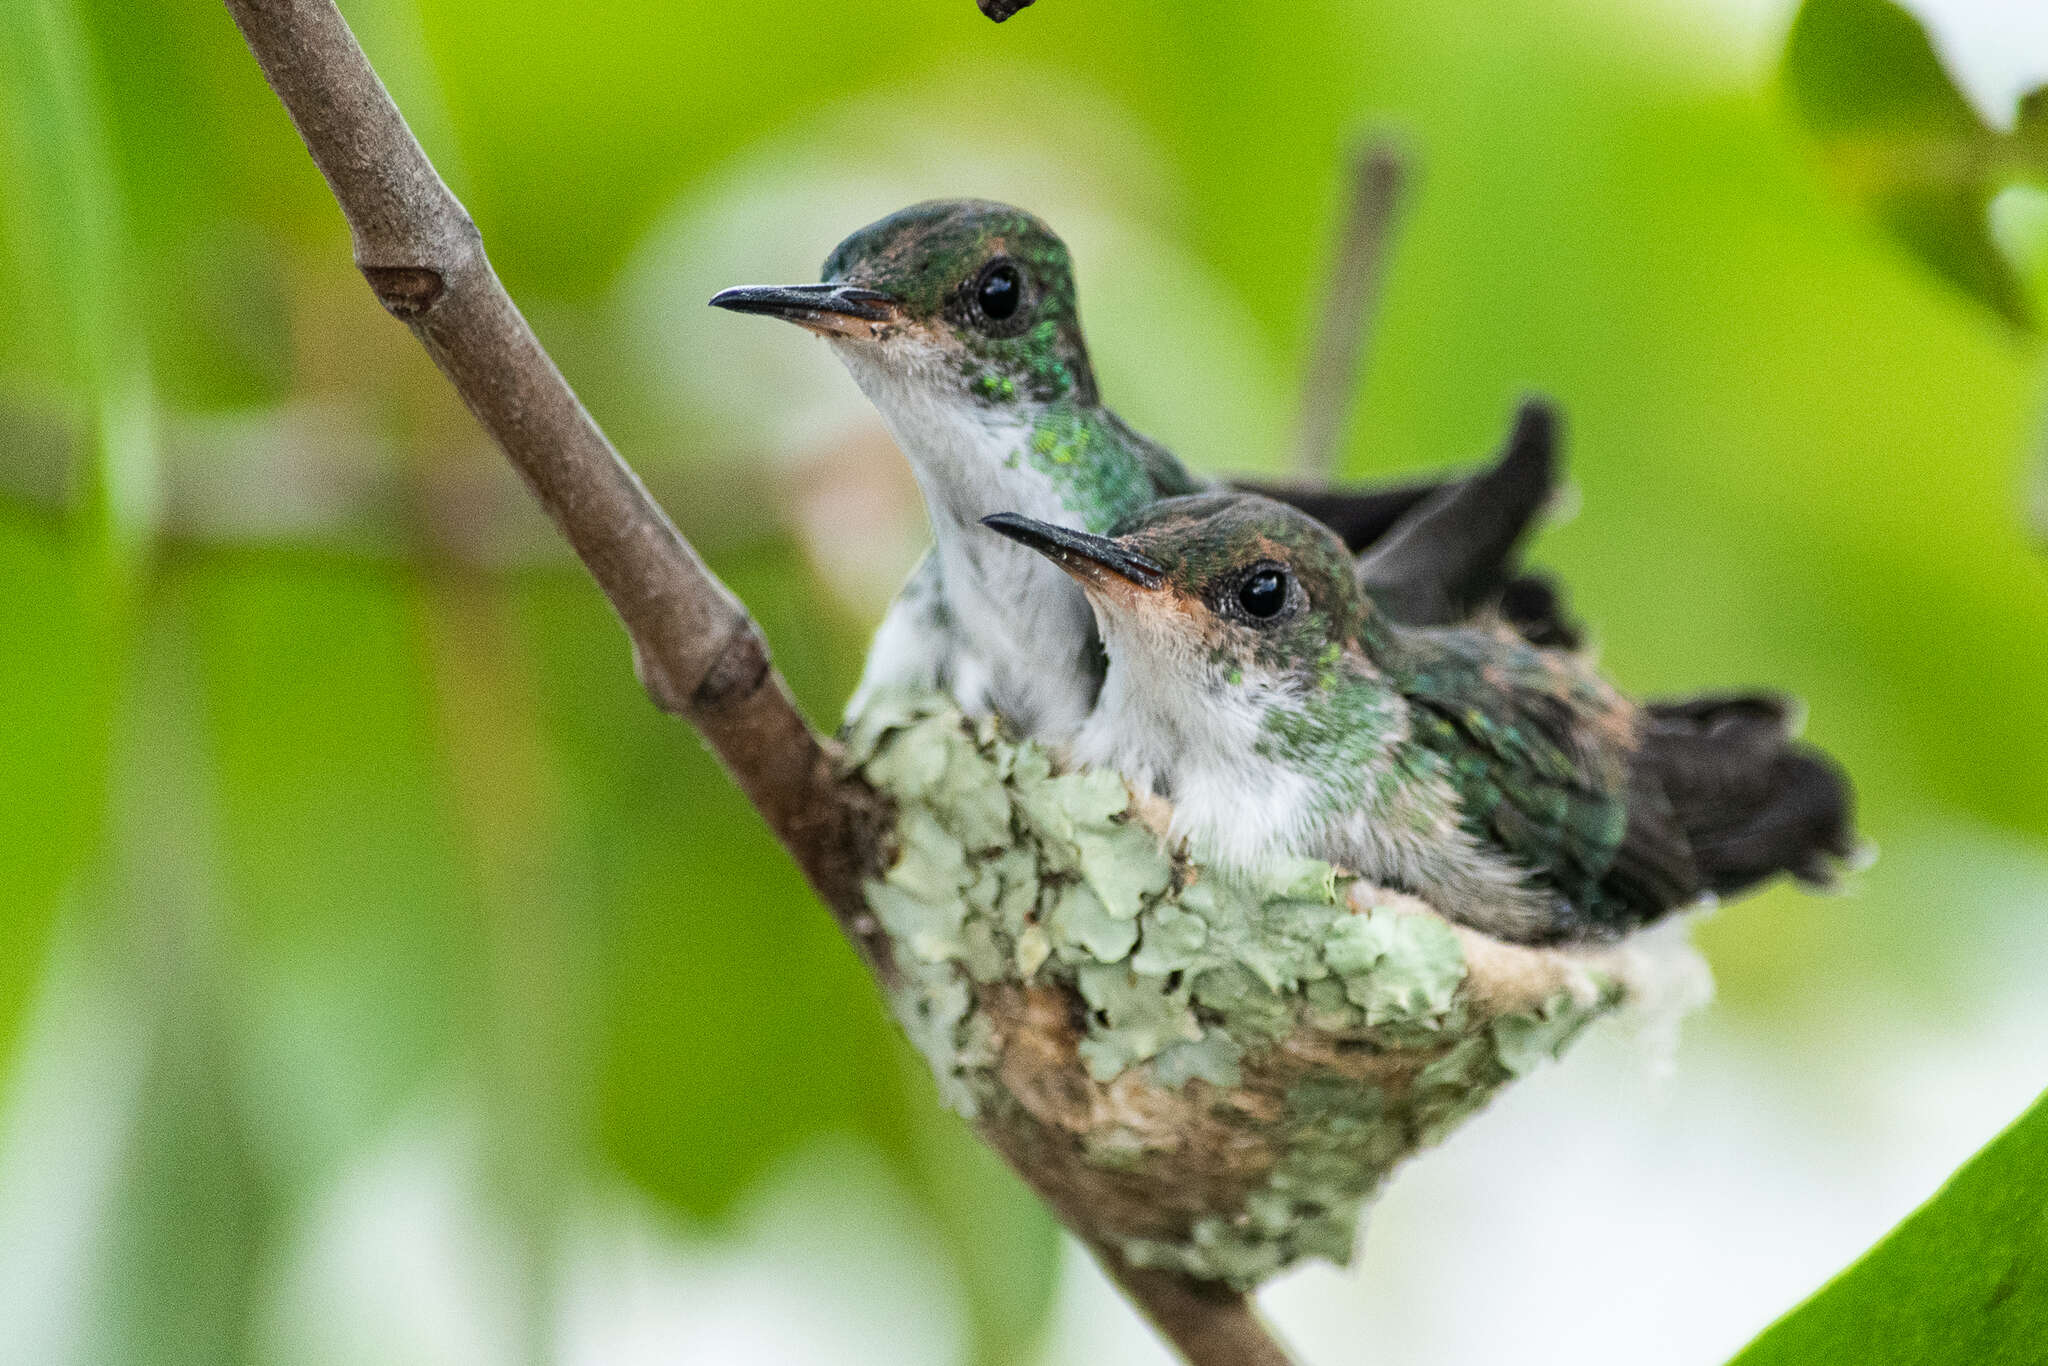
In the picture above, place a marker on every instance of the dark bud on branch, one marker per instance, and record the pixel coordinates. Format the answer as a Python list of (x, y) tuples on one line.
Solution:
[(405, 291)]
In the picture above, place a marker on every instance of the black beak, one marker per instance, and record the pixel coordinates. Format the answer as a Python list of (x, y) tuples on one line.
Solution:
[(1080, 554), (842, 309)]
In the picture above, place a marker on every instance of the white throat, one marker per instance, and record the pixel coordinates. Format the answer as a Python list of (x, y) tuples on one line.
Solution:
[(1177, 723), (1027, 638)]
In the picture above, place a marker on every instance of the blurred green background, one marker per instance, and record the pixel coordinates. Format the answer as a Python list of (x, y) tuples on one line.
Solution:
[(382, 980)]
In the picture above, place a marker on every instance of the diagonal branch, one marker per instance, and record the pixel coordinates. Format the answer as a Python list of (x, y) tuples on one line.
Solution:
[(1378, 178), (1206, 1323), (697, 651)]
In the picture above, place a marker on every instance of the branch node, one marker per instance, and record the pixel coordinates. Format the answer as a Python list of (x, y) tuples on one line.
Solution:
[(736, 671), (407, 292), (655, 681)]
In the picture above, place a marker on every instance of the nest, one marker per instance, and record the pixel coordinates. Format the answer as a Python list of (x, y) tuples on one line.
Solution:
[(1207, 1075)]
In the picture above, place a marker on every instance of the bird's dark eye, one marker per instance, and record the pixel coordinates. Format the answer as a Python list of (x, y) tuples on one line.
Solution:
[(999, 291), (1263, 593)]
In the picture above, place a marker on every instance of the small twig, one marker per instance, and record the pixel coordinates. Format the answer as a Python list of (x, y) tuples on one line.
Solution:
[(1206, 1323), (1210, 1324), (1379, 175), (697, 651)]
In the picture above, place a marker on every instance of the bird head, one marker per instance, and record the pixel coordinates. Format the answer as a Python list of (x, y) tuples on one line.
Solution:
[(962, 300), (1213, 591)]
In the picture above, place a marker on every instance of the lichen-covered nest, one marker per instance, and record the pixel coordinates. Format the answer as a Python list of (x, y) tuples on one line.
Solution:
[(1206, 1074)]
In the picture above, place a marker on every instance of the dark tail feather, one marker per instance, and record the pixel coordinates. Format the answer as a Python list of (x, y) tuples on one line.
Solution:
[(1520, 480), (1457, 550), (1360, 517), (1533, 605), (1436, 552), (1751, 802)]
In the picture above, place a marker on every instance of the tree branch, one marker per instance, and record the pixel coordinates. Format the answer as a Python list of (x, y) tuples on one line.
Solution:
[(696, 650), (1207, 1323), (1379, 175)]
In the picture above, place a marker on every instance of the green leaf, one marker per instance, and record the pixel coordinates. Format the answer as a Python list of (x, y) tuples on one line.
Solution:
[(68, 217), (338, 859), (2037, 496), (1964, 1279), (174, 1268), (63, 631), (1862, 67), (2030, 124), (1902, 141), (58, 645)]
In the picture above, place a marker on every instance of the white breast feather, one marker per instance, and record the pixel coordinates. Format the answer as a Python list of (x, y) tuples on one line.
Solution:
[(1185, 733), (1018, 633)]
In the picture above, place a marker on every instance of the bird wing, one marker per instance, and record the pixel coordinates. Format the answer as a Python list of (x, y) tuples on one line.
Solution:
[(1540, 754)]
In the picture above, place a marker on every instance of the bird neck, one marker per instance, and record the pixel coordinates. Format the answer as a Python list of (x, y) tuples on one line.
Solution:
[(979, 450), (1338, 728), (1063, 461), (1254, 762)]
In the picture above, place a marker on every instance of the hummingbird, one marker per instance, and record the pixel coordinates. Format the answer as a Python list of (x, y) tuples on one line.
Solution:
[(1254, 680), (958, 319)]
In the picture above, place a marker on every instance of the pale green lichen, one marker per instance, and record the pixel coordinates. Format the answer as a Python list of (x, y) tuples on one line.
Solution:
[(1009, 871), (1342, 1138), (1398, 969)]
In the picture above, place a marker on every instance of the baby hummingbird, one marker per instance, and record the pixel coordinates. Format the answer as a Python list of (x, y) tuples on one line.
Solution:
[(958, 319), (1256, 683)]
